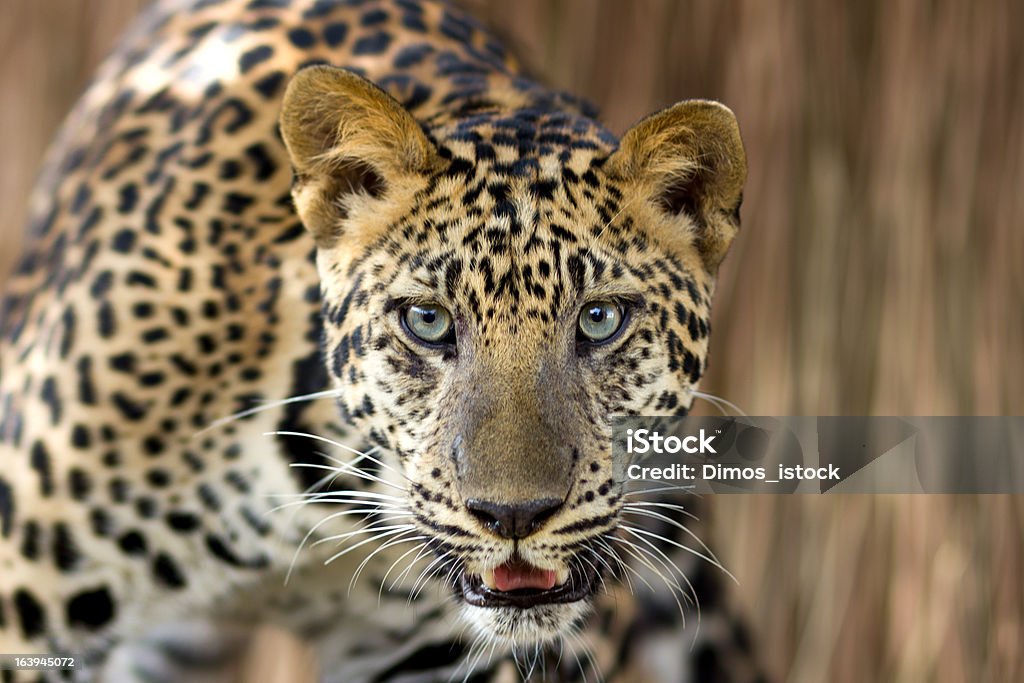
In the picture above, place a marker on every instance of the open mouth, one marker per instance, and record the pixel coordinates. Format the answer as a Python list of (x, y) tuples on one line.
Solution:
[(519, 584)]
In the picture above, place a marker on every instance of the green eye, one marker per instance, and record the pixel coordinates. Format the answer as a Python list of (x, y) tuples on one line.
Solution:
[(600, 320), (430, 323)]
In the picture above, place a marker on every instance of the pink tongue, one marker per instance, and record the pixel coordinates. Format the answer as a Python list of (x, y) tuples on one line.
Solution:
[(513, 576)]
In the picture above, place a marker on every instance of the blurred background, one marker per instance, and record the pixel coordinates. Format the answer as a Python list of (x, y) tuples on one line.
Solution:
[(880, 270)]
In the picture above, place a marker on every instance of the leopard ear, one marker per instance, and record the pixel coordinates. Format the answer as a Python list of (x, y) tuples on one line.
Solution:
[(348, 140), (688, 160)]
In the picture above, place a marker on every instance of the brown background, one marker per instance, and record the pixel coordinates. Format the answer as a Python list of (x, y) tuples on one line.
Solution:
[(880, 270)]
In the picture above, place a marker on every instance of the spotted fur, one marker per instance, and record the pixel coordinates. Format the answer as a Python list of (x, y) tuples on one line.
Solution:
[(225, 221)]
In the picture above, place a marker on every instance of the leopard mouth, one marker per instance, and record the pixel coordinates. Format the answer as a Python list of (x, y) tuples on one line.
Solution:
[(519, 584)]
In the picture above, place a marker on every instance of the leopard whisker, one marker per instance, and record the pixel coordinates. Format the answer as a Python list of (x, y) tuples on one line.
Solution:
[(520, 659), (666, 562), (561, 652), (309, 533), (691, 598), (405, 572), (493, 639), (575, 656), (652, 514), (633, 505), (619, 562), (680, 487), (371, 529), (358, 473), (674, 588), (628, 567), (363, 455), (452, 564), (325, 494), (454, 574), (471, 662), (709, 557), (588, 655), (378, 507), (661, 489), (220, 422), (492, 642), (649, 556), (539, 659), (340, 500), (373, 539), (367, 559), (634, 531), (419, 553), (611, 220), (385, 509), (716, 401), (312, 494), (425, 576), (326, 480), (600, 577), (518, 664)]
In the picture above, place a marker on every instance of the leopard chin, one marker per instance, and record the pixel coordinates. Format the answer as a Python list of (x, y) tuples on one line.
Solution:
[(518, 627)]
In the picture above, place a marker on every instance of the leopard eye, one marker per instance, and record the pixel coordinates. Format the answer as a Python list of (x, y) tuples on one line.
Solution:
[(430, 323), (600, 320)]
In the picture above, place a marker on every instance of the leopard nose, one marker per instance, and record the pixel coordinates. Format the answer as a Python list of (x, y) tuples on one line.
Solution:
[(513, 520)]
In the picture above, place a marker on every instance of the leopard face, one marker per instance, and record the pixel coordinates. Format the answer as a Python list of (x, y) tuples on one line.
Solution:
[(497, 285)]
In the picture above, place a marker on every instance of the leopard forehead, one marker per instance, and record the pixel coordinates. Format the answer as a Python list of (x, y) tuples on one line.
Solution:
[(515, 256), (522, 223)]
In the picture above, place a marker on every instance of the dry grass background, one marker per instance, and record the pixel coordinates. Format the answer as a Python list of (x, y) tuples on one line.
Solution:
[(880, 270)]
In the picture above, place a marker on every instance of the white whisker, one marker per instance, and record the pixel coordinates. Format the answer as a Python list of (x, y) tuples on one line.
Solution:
[(657, 554), (426, 575), (619, 561), (338, 499), (655, 515), (266, 406), (371, 529), (398, 579), (305, 538), (372, 539), (674, 588), (354, 471), (367, 559), (337, 444), (419, 553), (717, 401), (709, 558), (632, 505), (661, 489)]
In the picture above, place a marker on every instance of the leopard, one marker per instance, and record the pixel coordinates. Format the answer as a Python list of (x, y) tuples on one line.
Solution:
[(324, 313)]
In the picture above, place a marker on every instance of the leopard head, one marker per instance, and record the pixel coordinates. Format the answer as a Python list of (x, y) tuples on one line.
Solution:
[(496, 287)]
